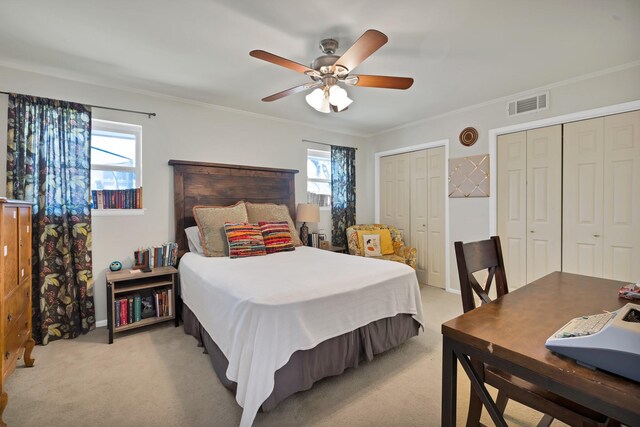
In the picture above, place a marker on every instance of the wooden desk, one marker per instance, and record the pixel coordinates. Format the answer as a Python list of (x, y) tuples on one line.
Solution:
[(510, 333)]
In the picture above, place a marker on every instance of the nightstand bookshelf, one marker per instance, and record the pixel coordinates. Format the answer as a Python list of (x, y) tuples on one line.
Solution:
[(124, 283)]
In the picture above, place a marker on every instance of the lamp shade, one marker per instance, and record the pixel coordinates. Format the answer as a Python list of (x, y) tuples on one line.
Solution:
[(308, 212)]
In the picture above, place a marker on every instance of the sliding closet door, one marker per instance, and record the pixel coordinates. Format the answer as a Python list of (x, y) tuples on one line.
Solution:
[(512, 205), (436, 217), (622, 197), (419, 193), (583, 226), (544, 201)]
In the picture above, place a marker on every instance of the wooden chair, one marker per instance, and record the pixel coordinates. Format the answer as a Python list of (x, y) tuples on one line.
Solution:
[(487, 255)]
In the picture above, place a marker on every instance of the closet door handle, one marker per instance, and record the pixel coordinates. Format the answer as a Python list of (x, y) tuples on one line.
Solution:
[(9, 317), (6, 355), (531, 231), (596, 235)]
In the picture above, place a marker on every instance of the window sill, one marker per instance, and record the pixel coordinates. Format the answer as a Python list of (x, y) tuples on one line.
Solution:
[(117, 212)]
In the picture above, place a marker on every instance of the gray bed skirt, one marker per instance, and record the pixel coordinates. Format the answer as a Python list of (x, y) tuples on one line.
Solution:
[(330, 357)]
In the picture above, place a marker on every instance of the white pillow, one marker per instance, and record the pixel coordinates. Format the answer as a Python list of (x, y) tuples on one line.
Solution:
[(371, 243), (193, 239)]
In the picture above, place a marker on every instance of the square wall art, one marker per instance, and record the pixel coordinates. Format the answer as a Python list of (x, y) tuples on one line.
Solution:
[(469, 176)]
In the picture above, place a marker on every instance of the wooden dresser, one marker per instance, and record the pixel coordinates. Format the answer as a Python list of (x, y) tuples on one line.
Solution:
[(15, 289)]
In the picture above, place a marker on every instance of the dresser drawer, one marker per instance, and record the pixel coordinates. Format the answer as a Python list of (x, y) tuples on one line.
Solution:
[(14, 343), (15, 307)]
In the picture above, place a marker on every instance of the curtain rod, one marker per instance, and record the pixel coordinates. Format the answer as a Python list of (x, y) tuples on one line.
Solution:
[(109, 108), (324, 143)]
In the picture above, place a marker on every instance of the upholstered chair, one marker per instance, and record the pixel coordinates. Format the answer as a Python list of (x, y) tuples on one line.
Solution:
[(401, 253)]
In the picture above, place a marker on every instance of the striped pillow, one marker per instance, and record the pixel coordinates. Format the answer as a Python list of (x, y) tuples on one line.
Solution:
[(277, 236), (244, 239)]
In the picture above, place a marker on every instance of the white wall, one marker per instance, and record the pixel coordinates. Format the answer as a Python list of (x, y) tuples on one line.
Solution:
[(469, 218), (190, 131), (181, 130)]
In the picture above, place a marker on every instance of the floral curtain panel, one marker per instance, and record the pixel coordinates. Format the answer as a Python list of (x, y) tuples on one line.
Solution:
[(48, 163), (343, 193)]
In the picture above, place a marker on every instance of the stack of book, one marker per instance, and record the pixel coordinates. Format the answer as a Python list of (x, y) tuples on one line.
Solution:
[(117, 199), (157, 256), (128, 310), (164, 302)]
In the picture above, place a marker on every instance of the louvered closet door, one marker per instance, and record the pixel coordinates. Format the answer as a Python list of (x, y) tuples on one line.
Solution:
[(419, 194), (583, 226), (621, 260), (436, 221), (512, 205), (544, 201)]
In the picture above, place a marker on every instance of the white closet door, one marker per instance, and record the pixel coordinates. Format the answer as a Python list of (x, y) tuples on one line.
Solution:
[(395, 193), (544, 201), (387, 193), (512, 205), (403, 196), (582, 248), (436, 220), (622, 197), (419, 194)]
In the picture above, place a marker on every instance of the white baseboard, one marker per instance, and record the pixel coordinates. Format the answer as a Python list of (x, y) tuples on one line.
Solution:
[(101, 323)]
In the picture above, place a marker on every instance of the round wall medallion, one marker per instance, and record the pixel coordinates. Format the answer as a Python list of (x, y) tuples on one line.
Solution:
[(468, 136)]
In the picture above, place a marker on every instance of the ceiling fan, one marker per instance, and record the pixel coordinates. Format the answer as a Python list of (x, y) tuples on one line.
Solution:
[(329, 70)]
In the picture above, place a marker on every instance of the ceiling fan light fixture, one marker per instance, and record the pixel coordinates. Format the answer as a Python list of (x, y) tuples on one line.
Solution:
[(324, 108), (315, 98), (338, 97)]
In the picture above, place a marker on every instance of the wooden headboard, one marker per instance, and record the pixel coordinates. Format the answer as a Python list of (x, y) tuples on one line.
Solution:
[(214, 184)]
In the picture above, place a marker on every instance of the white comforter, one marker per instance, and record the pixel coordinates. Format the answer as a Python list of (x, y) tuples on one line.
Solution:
[(260, 310)]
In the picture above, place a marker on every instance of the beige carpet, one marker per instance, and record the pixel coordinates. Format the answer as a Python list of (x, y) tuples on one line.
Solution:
[(158, 377)]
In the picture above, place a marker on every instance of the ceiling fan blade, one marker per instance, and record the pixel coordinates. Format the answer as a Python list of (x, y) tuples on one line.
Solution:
[(291, 91), (387, 82), (283, 62), (368, 43)]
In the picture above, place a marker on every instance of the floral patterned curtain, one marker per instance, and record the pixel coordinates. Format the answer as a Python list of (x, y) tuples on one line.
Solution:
[(48, 163), (343, 193)]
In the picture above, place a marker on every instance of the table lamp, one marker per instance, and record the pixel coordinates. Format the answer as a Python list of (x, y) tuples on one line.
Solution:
[(307, 212)]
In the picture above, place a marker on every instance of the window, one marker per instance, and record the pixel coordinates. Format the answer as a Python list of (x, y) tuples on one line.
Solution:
[(319, 177), (115, 156)]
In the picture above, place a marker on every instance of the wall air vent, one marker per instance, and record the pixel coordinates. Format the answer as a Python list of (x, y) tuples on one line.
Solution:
[(528, 105)]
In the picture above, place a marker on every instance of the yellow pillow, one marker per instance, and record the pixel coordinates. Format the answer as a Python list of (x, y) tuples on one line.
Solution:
[(386, 244)]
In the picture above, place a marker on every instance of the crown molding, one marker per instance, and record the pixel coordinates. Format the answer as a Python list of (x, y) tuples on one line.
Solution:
[(507, 98)]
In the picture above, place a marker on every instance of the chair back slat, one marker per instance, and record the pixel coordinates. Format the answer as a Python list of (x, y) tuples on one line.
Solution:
[(476, 256)]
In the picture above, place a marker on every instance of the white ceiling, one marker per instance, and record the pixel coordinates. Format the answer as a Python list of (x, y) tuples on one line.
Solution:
[(459, 52)]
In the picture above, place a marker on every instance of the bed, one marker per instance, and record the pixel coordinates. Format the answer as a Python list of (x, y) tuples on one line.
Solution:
[(273, 325)]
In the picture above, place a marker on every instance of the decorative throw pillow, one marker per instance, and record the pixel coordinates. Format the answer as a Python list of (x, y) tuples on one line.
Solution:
[(371, 245), (211, 221), (270, 212), (386, 244), (193, 240), (277, 236), (244, 240)]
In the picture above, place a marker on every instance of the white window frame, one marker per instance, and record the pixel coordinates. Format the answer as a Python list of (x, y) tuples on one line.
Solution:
[(311, 152), (127, 128), (107, 126)]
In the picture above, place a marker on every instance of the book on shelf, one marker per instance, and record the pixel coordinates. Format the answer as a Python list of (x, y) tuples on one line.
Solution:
[(165, 306), (123, 311), (137, 308), (117, 313), (157, 256), (158, 297), (170, 299), (130, 308), (130, 198)]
